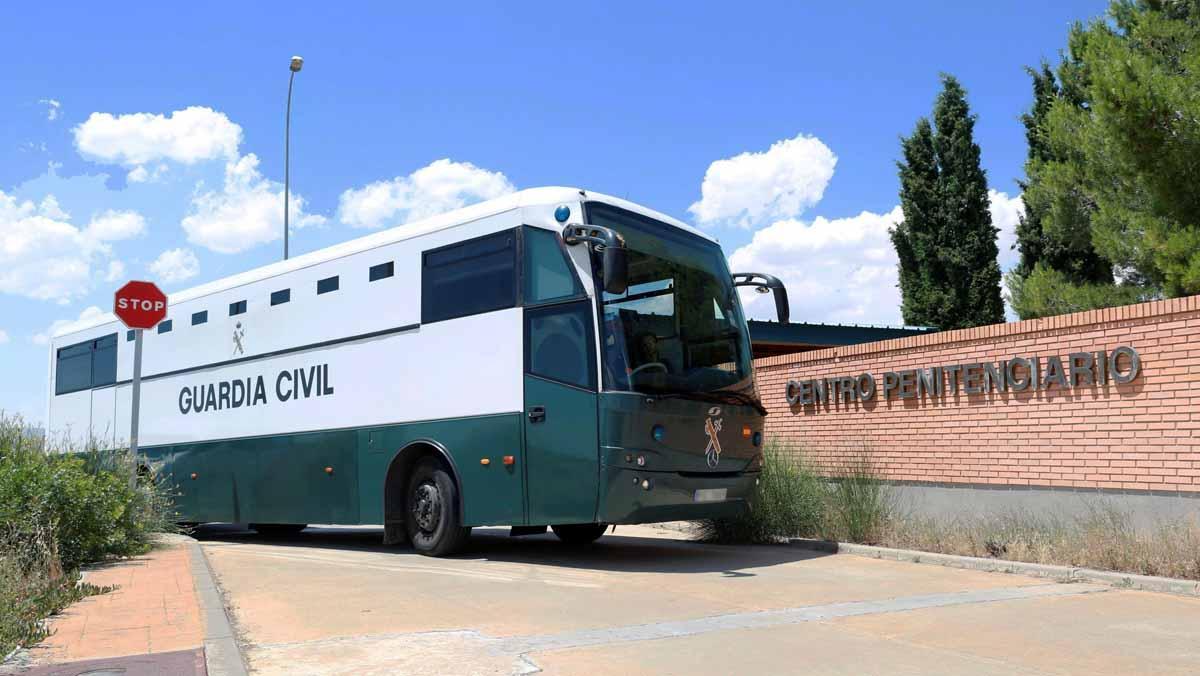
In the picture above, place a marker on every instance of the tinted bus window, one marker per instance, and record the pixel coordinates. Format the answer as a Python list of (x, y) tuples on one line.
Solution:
[(381, 271), (86, 365), (559, 344), (470, 277), (548, 273), (74, 369), (104, 361), (326, 285)]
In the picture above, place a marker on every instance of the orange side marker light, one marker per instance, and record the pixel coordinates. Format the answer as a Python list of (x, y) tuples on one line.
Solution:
[(746, 431), (485, 461)]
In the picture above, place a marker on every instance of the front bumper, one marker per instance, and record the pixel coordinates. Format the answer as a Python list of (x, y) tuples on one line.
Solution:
[(671, 496)]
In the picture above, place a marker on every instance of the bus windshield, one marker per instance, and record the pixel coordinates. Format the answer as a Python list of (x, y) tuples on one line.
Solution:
[(678, 328)]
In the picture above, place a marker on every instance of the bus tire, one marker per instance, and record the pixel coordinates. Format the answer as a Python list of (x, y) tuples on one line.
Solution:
[(432, 515), (271, 530), (579, 533)]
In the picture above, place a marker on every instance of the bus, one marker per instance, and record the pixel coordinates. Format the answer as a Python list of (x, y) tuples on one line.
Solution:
[(553, 358)]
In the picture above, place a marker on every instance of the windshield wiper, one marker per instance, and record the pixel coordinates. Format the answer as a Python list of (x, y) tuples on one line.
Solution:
[(718, 396), (741, 398)]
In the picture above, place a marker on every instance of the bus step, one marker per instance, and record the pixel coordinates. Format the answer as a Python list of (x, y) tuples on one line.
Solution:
[(518, 531)]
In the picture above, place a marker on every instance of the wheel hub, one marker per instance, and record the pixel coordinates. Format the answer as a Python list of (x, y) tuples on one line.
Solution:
[(427, 507)]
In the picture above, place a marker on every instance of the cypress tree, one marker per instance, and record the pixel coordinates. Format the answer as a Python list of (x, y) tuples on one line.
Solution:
[(949, 275)]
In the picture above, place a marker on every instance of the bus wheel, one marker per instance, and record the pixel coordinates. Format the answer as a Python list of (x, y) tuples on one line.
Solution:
[(579, 533), (274, 530), (432, 518)]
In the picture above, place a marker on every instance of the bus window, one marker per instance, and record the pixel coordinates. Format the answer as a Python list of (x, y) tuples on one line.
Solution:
[(327, 285), (104, 361), (86, 365), (381, 271), (558, 344), (548, 273), (469, 278)]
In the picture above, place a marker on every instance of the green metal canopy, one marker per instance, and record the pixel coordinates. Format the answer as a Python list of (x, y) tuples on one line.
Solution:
[(772, 338)]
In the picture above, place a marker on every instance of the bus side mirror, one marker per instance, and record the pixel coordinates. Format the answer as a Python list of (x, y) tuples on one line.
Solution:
[(611, 247), (764, 283), (616, 270)]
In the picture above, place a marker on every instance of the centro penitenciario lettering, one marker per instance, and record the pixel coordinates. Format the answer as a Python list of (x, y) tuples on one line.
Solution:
[(1019, 374)]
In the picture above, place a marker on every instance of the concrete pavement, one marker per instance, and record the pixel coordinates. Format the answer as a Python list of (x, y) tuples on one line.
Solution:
[(645, 601)]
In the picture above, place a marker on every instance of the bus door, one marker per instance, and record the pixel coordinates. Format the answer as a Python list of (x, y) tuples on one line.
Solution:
[(562, 455)]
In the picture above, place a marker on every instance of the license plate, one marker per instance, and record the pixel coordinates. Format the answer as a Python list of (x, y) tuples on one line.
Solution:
[(709, 495)]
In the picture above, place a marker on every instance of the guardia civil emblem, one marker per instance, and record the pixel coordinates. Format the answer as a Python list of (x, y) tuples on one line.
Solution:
[(239, 334), (712, 426)]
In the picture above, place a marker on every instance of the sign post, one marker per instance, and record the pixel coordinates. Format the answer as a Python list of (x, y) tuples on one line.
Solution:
[(140, 306)]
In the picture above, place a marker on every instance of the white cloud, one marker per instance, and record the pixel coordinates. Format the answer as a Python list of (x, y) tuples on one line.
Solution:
[(190, 135), (140, 174), (841, 270), (754, 188), (44, 257), (89, 313), (3, 336), (441, 186), (245, 212), (50, 209), (1006, 213), (175, 265), (112, 225), (53, 108), (844, 270), (116, 271)]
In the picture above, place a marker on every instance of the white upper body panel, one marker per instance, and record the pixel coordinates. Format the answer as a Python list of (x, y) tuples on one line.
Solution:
[(407, 372)]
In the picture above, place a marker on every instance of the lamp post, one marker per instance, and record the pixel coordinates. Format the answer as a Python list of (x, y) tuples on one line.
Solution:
[(297, 64)]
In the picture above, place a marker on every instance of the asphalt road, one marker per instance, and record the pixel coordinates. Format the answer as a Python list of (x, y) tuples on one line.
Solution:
[(646, 601)]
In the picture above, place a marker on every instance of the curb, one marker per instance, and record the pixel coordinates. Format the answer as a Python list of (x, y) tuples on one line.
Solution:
[(221, 653), (1164, 585)]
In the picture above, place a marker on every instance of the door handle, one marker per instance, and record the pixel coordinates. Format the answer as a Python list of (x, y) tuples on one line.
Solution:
[(537, 414)]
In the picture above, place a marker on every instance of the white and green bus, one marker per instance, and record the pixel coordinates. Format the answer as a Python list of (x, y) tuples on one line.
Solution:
[(553, 358)]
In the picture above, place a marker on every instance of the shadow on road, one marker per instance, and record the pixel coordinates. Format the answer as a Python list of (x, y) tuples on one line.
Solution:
[(615, 552)]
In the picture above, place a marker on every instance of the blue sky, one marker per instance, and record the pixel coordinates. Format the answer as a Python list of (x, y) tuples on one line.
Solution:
[(146, 142)]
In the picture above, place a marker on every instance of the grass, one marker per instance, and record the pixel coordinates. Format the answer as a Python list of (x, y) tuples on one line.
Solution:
[(859, 506), (1103, 537), (788, 503), (60, 511), (849, 502)]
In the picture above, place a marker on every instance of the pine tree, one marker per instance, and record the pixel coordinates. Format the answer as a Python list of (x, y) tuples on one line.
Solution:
[(949, 276), (1066, 245), (1059, 269), (1113, 166)]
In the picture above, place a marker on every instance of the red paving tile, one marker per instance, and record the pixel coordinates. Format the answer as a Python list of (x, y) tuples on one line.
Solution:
[(154, 610)]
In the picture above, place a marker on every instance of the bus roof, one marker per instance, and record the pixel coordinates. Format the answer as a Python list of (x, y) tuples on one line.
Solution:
[(516, 200)]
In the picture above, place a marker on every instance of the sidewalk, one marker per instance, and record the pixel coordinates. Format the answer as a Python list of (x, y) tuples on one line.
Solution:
[(154, 616)]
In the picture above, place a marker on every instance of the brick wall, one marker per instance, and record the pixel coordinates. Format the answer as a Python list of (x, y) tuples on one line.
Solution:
[(1136, 436)]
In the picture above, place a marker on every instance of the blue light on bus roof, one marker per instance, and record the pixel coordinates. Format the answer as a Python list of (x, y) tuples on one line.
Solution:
[(562, 213)]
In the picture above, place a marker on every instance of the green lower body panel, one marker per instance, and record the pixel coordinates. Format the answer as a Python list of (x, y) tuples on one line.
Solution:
[(338, 476), (295, 478), (671, 496)]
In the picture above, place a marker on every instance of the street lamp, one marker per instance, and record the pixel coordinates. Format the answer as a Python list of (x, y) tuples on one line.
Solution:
[(297, 64)]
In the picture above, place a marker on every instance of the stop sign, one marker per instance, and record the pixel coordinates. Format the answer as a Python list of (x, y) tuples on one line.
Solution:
[(141, 305)]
